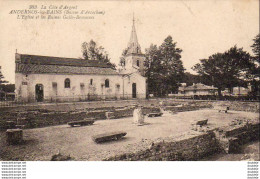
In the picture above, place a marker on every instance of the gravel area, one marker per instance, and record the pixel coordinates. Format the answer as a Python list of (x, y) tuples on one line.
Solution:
[(43, 143)]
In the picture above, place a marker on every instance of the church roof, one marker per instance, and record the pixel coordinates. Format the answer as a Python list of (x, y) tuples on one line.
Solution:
[(59, 65), (59, 69), (133, 45), (50, 60)]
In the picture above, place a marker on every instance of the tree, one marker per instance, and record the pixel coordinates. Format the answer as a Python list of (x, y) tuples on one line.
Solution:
[(163, 67), (2, 81), (122, 58), (91, 51), (152, 69), (256, 57), (256, 48), (225, 70), (172, 67), (189, 79), (256, 70)]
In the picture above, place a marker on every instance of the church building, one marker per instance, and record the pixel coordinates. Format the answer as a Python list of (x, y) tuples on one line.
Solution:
[(56, 79)]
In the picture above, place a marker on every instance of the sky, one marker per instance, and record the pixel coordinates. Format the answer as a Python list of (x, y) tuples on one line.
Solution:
[(200, 28)]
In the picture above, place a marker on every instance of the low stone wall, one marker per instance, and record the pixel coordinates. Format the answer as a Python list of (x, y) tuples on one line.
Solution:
[(239, 105), (185, 148), (241, 134), (38, 119), (43, 118), (186, 108), (58, 107), (194, 145), (47, 115), (97, 115), (128, 112), (120, 113)]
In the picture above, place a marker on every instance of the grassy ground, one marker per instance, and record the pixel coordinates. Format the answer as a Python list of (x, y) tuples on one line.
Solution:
[(42, 143)]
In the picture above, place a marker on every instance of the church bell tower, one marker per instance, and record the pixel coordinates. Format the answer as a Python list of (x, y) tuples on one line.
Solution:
[(134, 58)]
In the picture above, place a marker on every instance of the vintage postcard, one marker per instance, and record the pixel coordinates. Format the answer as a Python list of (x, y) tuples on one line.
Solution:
[(129, 81)]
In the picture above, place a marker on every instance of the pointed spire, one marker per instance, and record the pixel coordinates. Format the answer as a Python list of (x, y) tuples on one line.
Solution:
[(133, 45)]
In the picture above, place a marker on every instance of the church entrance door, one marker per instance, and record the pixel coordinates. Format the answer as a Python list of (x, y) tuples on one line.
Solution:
[(134, 90), (39, 92)]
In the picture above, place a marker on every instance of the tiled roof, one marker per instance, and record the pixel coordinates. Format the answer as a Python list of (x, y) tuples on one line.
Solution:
[(32, 68), (199, 86), (49, 60), (59, 65)]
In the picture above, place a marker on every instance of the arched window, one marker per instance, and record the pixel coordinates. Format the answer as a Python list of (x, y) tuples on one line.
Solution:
[(91, 81), (107, 83), (137, 63), (67, 83)]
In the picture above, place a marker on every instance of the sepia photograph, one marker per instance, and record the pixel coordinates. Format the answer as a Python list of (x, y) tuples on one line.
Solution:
[(129, 81)]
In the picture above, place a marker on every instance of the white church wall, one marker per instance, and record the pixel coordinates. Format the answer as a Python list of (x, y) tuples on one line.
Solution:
[(80, 87), (21, 87), (140, 85)]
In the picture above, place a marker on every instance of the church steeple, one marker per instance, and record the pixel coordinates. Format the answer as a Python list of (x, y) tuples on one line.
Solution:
[(133, 45), (133, 57)]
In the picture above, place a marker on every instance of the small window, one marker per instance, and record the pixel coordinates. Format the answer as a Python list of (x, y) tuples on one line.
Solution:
[(91, 81), (54, 85), (137, 63), (82, 85), (107, 83), (67, 83)]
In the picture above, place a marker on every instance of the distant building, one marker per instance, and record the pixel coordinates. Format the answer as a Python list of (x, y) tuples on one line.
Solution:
[(46, 78), (225, 92), (237, 91), (197, 89), (240, 91)]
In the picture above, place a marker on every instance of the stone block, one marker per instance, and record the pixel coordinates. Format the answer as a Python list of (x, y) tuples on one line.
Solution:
[(84, 122), (110, 136), (202, 122), (110, 115), (14, 136), (20, 126), (154, 114), (119, 113), (60, 157), (234, 145), (138, 116)]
